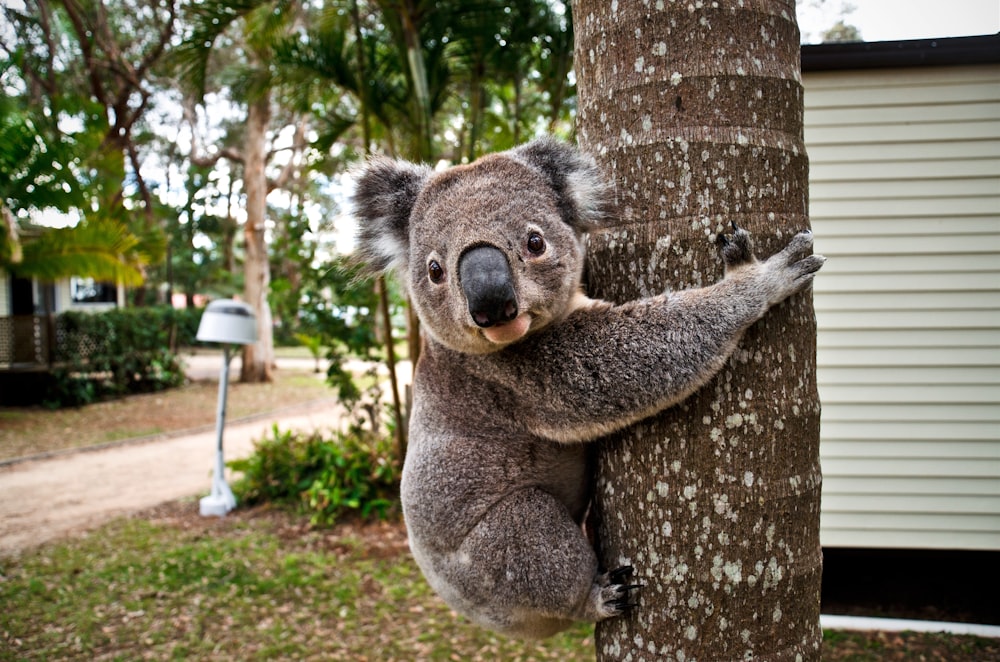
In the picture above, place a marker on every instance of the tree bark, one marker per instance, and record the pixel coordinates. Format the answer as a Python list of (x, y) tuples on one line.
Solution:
[(258, 358), (695, 112)]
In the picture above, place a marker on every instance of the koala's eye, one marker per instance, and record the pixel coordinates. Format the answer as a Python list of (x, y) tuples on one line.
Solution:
[(536, 244), (435, 272)]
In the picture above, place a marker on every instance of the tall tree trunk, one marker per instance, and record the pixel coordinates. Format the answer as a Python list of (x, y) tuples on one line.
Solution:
[(258, 358), (695, 112)]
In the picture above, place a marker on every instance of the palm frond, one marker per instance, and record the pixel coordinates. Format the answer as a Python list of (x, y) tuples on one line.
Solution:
[(104, 250)]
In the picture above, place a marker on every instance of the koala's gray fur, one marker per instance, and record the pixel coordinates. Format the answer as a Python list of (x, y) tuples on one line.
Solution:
[(520, 368)]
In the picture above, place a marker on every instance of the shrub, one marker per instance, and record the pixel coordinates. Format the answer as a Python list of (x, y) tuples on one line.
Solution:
[(114, 353), (325, 478)]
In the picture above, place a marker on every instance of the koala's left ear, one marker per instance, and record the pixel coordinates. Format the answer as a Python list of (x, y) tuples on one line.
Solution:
[(585, 199), (386, 192)]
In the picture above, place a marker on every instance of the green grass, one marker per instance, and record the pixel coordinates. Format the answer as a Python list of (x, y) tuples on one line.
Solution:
[(244, 590), (260, 585)]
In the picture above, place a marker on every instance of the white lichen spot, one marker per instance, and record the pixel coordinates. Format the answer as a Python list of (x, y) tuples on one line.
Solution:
[(777, 614), (662, 488), (667, 529), (647, 123), (748, 479), (691, 632), (640, 64), (690, 491), (734, 420), (676, 78), (660, 48)]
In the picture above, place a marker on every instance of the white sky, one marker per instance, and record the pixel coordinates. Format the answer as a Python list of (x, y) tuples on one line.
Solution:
[(890, 20)]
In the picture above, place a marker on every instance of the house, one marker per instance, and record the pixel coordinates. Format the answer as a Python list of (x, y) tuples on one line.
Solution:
[(904, 147), (27, 310)]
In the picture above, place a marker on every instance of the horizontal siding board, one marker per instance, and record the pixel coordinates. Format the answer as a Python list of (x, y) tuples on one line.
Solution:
[(917, 131), (926, 338), (943, 431), (869, 448), (892, 153), (912, 504), (935, 226), (923, 113), (907, 264), (985, 185), (914, 467), (821, 174), (880, 521), (874, 243), (919, 204), (941, 485), (919, 357), (836, 373), (908, 319), (945, 302), (915, 290), (870, 402)]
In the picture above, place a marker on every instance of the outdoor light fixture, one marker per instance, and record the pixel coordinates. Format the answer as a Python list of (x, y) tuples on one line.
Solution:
[(228, 322)]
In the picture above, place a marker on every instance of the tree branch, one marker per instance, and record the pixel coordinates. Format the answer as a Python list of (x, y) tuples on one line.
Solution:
[(298, 143)]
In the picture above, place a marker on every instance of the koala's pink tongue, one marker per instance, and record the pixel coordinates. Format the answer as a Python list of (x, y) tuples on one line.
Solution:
[(509, 332)]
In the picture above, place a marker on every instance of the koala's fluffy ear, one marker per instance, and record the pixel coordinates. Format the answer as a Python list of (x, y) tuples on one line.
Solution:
[(585, 198), (383, 200)]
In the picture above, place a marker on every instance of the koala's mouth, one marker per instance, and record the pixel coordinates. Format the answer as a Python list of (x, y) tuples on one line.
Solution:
[(508, 332)]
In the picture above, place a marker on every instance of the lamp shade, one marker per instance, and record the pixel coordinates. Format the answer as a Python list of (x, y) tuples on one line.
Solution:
[(228, 321)]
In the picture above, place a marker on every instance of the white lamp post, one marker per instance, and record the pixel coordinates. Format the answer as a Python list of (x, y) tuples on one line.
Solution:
[(228, 322)]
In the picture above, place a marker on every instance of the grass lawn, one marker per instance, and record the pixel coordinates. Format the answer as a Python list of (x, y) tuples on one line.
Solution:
[(30, 430), (260, 585)]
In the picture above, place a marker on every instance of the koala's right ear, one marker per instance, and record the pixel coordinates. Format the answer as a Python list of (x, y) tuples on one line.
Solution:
[(386, 192)]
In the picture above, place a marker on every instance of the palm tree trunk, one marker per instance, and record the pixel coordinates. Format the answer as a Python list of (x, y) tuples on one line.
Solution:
[(695, 112)]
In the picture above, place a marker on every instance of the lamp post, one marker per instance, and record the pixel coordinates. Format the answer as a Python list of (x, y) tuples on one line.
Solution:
[(228, 322)]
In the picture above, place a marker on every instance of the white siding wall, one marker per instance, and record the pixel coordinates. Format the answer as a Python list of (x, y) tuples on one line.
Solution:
[(4, 294), (905, 201)]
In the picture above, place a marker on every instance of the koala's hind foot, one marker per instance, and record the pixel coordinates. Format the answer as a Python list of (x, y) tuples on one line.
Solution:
[(612, 595)]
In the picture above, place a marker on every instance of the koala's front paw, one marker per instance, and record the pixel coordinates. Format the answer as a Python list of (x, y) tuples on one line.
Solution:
[(614, 595), (736, 250), (794, 267)]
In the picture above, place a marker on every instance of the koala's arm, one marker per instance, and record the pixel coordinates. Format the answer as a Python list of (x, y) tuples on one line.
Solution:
[(606, 366)]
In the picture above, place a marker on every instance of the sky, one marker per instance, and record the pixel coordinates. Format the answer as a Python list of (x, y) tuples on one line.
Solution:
[(891, 20)]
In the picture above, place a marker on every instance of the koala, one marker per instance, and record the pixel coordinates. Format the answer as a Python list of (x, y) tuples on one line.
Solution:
[(520, 370)]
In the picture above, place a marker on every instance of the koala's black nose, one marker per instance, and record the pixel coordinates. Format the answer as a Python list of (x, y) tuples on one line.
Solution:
[(488, 285)]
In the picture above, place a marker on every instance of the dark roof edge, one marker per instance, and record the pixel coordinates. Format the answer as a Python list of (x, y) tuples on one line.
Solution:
[(911, 53)]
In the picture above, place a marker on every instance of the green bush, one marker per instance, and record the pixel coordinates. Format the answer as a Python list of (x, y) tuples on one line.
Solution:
[(325, 478), (114, 353)]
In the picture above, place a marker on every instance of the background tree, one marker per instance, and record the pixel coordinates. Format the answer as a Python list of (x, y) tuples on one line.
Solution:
[(80, 85), (253, 27), (695, 112)]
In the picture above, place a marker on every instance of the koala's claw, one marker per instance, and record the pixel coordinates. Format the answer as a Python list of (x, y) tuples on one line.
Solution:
[(620, 575), (622, 596)]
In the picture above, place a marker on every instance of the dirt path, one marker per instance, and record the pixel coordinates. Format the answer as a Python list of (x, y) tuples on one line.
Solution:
[(45, 499)]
